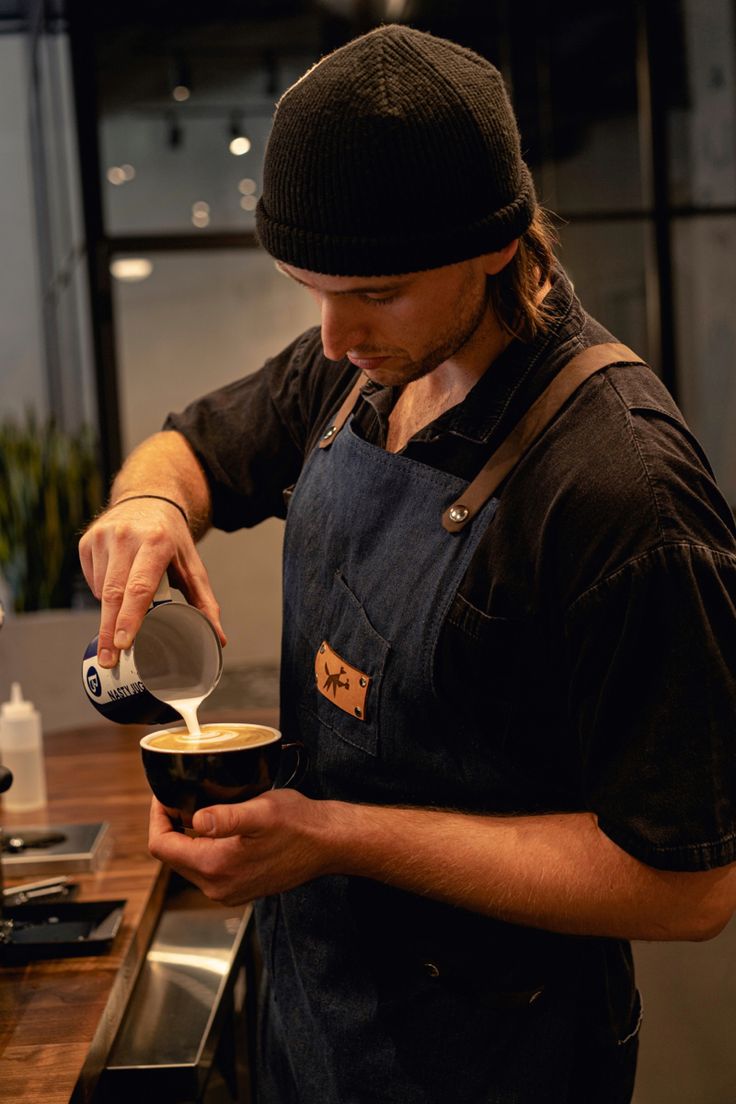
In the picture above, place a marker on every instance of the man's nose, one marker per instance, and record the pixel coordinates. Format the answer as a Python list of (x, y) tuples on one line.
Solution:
[(342, 328)]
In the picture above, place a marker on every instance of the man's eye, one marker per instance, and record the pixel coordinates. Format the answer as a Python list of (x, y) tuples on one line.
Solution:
[(379, 300)]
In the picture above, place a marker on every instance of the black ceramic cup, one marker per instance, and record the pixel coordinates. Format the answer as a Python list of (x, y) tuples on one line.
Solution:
[(238, 764)]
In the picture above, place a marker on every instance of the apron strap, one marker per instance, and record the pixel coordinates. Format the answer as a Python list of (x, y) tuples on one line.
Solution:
[(343, 413), (530, 427)]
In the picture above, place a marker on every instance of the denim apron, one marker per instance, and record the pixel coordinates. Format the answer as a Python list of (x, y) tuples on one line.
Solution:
[(378, 995)]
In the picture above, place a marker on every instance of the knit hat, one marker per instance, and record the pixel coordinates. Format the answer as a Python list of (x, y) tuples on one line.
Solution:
[(398, 152)]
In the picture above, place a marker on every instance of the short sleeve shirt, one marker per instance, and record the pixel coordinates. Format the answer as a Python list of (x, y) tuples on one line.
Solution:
[(601, 602)]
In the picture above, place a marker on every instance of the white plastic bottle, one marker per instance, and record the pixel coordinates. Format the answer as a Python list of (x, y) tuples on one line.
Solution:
[(21, 751)]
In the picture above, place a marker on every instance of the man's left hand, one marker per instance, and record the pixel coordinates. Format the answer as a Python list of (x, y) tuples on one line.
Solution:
[(263, 846)]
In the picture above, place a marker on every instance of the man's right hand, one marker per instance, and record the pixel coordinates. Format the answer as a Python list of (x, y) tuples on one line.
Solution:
[(124, 554)]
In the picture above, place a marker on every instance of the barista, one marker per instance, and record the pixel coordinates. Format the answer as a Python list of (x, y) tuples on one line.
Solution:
[(519, 715)]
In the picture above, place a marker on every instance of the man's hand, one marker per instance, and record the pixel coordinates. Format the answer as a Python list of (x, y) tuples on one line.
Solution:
[(125, 552), (263, 846)]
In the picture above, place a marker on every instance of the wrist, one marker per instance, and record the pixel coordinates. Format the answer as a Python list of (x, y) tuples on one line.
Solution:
[(356, 840), (157, 497), (334, 833)]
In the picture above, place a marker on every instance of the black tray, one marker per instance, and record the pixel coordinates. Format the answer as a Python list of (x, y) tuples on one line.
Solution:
[(61, 930)]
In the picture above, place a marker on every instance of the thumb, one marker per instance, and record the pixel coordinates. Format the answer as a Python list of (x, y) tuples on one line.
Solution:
[(219, 821)]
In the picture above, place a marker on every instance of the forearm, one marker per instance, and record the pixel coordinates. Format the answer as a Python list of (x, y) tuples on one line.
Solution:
[(165, 465), (558, 872)]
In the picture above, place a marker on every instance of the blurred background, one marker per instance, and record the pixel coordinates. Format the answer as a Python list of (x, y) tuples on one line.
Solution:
[(131, 142)]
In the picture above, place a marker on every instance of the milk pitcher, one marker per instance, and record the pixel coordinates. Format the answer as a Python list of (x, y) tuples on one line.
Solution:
[(176, 656)]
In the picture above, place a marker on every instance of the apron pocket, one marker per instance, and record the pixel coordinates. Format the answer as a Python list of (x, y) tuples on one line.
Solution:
[(483, 655), (353, 650), (462, 1045)]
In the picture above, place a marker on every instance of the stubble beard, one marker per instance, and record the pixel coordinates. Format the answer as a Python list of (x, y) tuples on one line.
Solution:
[(451, 343)]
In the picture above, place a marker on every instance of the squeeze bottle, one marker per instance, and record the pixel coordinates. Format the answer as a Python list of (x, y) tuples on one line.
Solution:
[(21, 751)]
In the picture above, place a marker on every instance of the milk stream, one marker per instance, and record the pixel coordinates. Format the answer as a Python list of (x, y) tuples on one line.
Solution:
[(179, 660), (188, 708)]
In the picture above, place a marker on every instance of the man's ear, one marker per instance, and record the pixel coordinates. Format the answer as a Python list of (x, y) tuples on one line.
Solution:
[(493, 263)]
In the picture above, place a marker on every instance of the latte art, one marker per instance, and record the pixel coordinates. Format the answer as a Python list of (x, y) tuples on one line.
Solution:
[(213, 737)]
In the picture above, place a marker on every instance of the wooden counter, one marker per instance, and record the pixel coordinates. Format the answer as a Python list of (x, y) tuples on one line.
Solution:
[(58, 1018)]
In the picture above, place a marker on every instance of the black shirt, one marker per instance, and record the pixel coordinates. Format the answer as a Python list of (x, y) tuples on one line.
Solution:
[(597, 619)]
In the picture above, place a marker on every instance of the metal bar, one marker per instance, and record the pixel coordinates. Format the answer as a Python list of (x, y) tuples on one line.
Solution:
[(652, 38), (157, 243), (30, 887), (246, 239), (68, 256), (49, 322), (82, 46), (203, 111), (10, 25), (673, 212), (696, 211)]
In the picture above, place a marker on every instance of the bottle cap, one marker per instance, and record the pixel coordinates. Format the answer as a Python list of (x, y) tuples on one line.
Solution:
[(17, 706)]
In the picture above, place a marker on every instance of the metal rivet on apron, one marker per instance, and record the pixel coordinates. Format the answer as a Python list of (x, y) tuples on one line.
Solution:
[(459, 513), (329, 432), (431, 970), (322, 650), (358, 711), (363, 682)]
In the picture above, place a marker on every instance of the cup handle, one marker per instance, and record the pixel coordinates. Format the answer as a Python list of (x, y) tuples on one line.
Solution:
[(302, 760)]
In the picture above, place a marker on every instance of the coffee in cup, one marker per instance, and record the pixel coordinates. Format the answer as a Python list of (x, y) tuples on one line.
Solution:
[(223, 764), (212, 736)]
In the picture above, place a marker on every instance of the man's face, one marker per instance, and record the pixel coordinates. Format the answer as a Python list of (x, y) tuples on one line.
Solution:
[(397, 329)]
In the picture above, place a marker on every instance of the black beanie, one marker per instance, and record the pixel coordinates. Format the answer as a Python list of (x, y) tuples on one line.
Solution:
[(398, 152)]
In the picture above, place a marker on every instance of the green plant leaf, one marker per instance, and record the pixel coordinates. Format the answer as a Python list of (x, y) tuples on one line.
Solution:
[(50, 488)]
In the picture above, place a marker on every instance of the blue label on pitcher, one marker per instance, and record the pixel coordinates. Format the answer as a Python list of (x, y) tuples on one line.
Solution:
[(120, 695), (93, 682)]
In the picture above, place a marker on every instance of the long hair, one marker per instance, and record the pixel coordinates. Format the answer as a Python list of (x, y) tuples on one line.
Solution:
[(515, 290)]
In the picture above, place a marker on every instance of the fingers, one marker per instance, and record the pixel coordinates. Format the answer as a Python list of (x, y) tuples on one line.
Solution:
[(110, 577), (158, 821), (87, 560), (175, 849), (131, 597), (168, 844), (125, 583), (192, 579)]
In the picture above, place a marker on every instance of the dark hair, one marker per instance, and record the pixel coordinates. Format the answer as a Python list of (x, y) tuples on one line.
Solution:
[(514, 292)]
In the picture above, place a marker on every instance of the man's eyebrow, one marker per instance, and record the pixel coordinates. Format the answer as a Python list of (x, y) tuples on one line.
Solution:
[(370, 289)]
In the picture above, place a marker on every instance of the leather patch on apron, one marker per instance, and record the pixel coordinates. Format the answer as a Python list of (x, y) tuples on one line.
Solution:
[(337, 680)]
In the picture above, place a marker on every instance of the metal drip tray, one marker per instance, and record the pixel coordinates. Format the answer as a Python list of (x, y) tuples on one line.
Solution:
[(182, 999)]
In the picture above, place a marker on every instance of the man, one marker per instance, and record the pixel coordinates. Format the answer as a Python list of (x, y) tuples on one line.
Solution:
[(517, 690)]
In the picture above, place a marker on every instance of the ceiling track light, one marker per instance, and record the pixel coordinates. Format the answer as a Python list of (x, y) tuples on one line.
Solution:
[(240, 143), (180, 80)]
